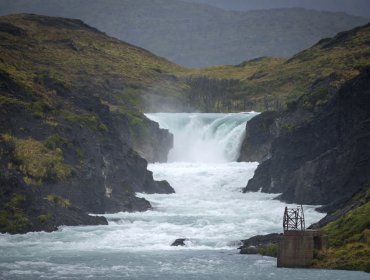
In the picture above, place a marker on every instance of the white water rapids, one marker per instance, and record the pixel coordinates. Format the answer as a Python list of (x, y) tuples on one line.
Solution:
[(208, 209)]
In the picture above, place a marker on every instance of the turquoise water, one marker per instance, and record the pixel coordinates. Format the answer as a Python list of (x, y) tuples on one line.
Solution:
[(208, 208), (183, 264)]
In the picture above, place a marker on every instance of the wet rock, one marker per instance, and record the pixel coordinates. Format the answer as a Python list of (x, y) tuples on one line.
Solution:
[(260, 132), (320, 154), (106, 170), (254, 244), (251, 250), (261, 240), (179, 242), (151, 142), (237, 243)]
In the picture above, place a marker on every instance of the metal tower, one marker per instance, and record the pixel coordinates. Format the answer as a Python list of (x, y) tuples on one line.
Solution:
[(294, 219)]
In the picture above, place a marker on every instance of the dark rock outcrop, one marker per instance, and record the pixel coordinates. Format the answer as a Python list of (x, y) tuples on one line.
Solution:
[(151, 142), (179, 242), (343, 207), (24, 209), (254, 244), (257, 142), (12, 29), (104, 171), (320, 154), (250, 250)]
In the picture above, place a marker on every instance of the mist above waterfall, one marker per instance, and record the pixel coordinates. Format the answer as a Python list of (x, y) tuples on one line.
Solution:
[(205, 137), (208, 209)]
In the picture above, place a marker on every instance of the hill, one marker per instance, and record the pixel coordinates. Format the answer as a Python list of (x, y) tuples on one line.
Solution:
[(197, 35), (69, 123), (317, 152), (268, 83)]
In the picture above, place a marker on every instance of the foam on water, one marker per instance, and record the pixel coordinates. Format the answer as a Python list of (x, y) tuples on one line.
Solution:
[(204, 137), (208, 208)]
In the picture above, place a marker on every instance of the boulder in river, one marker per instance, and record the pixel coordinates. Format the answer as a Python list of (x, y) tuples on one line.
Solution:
[(261, 244), (179, 242), (250, 250)]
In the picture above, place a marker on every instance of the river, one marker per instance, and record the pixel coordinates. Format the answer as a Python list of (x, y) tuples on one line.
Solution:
[(208, 209)]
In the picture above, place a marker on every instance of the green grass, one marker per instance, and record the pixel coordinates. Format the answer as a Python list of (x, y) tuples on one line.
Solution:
[(55, 141), (348, 227), (270, 250), (38, 163), (121, 74), (349, 241), (12, 217), (286, 80), (91, 121), (101, 60), (44, 218), (62, 202)]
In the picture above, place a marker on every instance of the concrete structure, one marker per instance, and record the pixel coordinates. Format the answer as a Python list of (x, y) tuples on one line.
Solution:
[(296, 247)]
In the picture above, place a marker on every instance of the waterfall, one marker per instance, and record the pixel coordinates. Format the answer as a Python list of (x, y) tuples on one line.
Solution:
[(208, 209), (204, 137)]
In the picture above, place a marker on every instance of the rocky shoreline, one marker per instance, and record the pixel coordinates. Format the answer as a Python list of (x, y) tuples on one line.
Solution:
[(319, 155), (261, 244), (314, 155)]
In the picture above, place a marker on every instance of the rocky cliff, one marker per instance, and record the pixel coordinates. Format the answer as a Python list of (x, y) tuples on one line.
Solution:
[(151, 142), (67, 125), (319, 152)]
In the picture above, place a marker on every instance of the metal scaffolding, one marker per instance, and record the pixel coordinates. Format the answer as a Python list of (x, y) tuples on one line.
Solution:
[(294, 219)]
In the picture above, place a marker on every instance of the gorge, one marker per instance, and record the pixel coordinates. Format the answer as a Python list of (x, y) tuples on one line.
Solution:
[(208, 209), (75, 146)]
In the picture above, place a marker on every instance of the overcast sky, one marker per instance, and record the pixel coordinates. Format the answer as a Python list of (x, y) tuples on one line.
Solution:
[(354, 7)]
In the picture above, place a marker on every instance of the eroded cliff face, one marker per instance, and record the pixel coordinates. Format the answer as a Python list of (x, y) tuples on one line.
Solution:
[(318, 154), (151, 142), (68, 110), (93, 171), (260, 132), (60, 163)]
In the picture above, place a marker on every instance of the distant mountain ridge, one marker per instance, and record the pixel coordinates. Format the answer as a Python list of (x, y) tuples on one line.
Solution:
[(197, 35), (353, 7)]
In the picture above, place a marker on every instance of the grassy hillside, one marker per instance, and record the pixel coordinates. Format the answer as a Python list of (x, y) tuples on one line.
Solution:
[(268, 83), (125, 76), (197, 35), (70, 101), (81, 58), (48, 55), (349, 239)]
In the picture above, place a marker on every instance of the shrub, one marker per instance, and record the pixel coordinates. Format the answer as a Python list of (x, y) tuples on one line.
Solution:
[(270, 250), (61, 201), (38, 163)]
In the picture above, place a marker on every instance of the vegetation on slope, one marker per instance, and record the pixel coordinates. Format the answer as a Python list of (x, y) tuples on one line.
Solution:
[(48, 58), (126, 77), (70, 54), (38, 161), (69, 96), (349, 239), (12, 217), (197, 35), (268, 83)]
